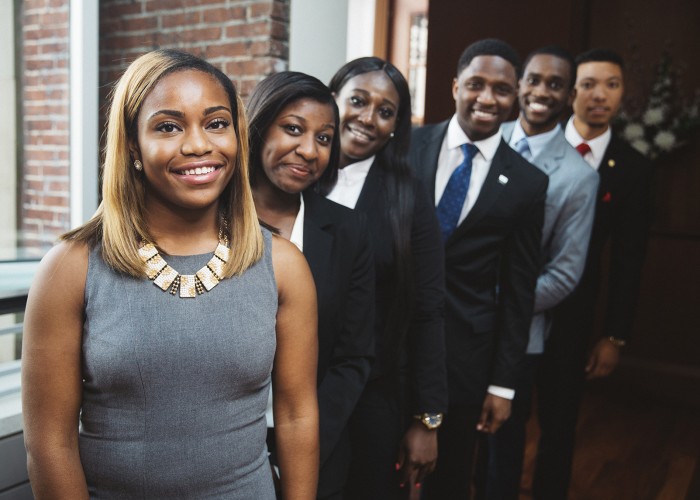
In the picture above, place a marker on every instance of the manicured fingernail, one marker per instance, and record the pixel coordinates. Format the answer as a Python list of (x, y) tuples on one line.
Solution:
[(397, 466), (417, 485)]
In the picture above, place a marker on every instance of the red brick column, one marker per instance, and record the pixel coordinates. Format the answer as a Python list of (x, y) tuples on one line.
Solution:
[(44, 108)]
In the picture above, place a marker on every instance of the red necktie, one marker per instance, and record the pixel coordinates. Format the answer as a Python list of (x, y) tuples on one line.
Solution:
[(583, 148)]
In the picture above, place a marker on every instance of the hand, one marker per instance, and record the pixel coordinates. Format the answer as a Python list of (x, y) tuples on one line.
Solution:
[(418, 453), (495, 411), (603, 359)]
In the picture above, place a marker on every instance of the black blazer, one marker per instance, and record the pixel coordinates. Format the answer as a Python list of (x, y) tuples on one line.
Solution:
[(338, 250), (622, 218), (492, 261), (425, 346)]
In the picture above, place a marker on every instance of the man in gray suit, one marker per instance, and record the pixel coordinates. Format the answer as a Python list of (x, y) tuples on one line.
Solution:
[(545, 90)]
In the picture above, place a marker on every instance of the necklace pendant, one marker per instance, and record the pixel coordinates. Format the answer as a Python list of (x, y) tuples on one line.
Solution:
[(187, 286), (208, 279), (165, 278)]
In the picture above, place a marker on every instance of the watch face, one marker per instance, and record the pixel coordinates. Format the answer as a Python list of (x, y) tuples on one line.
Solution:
[(432, 421)]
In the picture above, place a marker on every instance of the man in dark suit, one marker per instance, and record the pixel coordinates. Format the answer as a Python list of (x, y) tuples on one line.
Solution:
[(622, 219), (490, 204), (545, 90)]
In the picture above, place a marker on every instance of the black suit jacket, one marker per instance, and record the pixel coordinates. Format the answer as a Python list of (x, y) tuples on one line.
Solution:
[(622, 219), (338, 250), (425, 346), (492, 261)]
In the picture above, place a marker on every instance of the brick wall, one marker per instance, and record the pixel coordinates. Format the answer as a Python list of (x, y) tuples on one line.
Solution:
[(44, 107), (247, 39)]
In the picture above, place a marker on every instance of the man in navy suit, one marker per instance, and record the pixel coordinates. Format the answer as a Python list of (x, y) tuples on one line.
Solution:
[(490, 204), (622, 220), (545, 90)]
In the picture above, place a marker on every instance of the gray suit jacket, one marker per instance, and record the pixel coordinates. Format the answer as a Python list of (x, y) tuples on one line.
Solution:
[(568, 219)]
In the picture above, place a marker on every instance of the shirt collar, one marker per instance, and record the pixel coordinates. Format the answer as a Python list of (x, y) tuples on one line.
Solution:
[(456, 137), (598, 145), (536, 143), (354, 171)]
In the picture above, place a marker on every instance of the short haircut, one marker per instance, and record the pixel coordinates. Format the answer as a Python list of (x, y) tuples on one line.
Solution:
[(273, 94), (600, 55), (556, 51), (488, 47)]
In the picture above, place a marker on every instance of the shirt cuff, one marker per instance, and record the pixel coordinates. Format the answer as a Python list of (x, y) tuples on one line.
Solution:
[(501, 392)]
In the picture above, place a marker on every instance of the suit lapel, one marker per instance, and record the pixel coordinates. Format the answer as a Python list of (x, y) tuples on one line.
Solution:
[(428, 153), (606, 170), (550, 158), (371, 189), (318, 242)]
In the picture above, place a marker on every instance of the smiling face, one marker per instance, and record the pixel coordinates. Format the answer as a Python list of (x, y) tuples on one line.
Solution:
[(484, 93), (545, 90), (368, 105), (297, 145), (599, 89), (186, 142)]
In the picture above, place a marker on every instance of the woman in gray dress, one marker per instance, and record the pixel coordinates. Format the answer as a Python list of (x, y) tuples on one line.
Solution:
[(132, 390)]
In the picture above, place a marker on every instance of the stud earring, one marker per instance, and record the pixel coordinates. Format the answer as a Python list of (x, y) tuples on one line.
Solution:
[(391, 135), (138, 165)]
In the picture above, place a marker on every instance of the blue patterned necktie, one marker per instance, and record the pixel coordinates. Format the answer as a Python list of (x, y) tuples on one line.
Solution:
[(452, 201), (523, 148)]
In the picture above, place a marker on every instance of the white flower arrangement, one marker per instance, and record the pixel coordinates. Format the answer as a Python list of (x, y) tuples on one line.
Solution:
[(666, 122)]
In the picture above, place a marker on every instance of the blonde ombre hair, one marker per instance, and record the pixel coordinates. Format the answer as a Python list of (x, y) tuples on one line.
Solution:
[(119, 222)]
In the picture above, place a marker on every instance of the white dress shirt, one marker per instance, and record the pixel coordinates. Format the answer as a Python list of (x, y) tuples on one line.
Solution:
[(598, 145), (351, 179), (451, 157)]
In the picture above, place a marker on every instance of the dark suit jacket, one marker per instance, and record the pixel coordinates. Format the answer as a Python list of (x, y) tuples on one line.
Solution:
[(492, 261), (427, 388), (622, 218), (338, 250)]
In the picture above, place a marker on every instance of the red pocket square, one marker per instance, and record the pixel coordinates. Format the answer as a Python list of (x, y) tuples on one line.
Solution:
[(607, 197)]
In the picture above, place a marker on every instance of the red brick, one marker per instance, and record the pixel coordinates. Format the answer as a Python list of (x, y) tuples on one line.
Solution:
[(280, 10), (201, 34), (260, 9), (180, 20), (233, 49), (113, 10), (258, 28), (223, 15)]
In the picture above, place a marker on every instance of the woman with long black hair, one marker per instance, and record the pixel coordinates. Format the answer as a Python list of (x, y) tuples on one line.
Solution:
[(393, 428)]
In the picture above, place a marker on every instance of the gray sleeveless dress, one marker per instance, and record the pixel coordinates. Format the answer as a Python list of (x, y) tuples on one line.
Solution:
[(175, 389)]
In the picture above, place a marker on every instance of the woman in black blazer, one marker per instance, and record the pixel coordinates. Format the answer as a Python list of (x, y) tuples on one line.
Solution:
[(294, 150), (393, 428)]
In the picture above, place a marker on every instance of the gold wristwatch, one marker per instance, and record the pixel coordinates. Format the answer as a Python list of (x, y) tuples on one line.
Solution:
[(431, 420), (617, 342)]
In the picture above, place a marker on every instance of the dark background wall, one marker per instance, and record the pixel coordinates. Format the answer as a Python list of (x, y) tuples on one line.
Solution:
[(666, 346)]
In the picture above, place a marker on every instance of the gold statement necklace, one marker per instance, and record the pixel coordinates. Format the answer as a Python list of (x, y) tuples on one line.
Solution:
[(190, 285)]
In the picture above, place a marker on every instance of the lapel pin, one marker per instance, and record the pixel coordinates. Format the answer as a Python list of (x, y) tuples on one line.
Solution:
[(503, 179), (611, 163)]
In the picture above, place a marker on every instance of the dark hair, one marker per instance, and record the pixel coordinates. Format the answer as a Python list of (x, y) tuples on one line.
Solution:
[(399, 192), (556, 51), (488, 47), (269, 98), (600, 55)]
